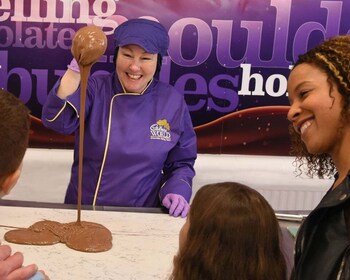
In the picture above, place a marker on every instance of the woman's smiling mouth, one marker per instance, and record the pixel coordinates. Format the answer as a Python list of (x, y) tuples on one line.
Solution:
[(301, 129), (133, 76)]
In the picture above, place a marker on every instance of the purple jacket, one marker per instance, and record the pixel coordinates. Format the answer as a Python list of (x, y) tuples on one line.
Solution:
[(137, 148)]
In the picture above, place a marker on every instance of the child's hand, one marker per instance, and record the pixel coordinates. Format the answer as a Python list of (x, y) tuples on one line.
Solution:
[(11, 265)]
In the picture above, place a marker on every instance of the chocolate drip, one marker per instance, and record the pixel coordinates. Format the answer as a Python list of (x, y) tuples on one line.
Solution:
[(89, 44)]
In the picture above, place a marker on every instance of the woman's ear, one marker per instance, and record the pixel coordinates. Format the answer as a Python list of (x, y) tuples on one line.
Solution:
[(10, 181)]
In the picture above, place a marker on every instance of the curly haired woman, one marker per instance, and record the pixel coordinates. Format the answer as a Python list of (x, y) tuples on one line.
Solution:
[(319, 94)]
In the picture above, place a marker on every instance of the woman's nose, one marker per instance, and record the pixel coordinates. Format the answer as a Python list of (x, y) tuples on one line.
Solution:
[(294, 112), (135, 65)]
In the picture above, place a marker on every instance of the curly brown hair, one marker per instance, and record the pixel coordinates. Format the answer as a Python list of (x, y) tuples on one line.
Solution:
[(333, 58)]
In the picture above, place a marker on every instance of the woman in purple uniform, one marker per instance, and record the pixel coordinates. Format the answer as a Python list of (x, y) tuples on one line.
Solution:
[(139, 142)]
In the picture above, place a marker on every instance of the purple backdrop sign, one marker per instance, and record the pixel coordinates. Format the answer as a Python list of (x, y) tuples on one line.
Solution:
[(230, 58)]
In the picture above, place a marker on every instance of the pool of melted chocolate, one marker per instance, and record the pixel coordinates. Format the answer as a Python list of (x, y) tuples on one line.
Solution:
[(83, 236)]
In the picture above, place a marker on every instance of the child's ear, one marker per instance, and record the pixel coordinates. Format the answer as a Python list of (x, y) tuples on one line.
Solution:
[(10, 181)]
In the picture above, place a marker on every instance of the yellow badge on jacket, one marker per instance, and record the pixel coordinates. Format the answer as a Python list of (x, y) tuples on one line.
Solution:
[(161, 130)]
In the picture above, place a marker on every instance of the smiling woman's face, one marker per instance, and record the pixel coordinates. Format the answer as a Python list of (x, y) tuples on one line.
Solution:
[(135, 67), (315, 108)]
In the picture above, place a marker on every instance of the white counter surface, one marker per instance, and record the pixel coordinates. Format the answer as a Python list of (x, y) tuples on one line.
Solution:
[(143, 244)]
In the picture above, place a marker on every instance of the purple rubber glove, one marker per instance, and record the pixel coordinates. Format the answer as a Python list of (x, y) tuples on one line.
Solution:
[(74, 66), (176, 204)]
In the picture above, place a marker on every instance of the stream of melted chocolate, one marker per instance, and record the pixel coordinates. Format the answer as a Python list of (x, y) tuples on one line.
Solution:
[(89, 44)]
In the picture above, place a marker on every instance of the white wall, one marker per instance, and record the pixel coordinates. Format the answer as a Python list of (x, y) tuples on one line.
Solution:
[(46, 173), (272, 176)]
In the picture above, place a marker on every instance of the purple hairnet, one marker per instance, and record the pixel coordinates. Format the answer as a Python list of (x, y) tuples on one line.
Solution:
[(148, 34)]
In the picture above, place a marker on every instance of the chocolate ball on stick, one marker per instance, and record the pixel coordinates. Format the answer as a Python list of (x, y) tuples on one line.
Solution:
[(88, 45)]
